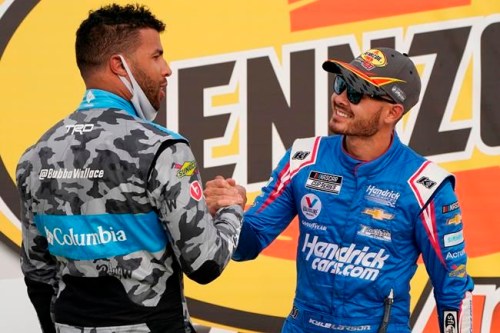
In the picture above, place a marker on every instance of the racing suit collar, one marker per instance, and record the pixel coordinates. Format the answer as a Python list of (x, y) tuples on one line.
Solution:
[(377, 165), (101, 99)]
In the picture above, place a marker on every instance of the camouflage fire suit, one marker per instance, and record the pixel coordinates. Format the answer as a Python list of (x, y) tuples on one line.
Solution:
[(113, 214)]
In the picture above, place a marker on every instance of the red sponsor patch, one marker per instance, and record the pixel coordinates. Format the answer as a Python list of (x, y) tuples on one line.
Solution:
[(195, 190)]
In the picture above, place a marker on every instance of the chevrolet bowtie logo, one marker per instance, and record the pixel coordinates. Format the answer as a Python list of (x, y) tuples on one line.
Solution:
[(378, 214), (457, 219)]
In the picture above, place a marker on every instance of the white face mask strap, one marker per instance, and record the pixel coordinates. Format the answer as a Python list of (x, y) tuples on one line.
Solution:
[(139, 100)]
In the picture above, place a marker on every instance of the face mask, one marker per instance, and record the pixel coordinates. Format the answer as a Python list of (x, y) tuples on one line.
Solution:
[(139, 100)]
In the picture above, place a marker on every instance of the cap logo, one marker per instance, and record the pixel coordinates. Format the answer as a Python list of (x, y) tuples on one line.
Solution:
[(399, 93), (373, 58)]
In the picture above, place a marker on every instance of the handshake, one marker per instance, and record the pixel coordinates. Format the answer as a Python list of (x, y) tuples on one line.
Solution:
[(221, 192)]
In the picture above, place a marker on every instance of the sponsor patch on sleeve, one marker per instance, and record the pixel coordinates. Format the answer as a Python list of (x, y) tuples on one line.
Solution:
[(451, 207), (450, 323), (458, 271), (187, 168), (195, 190), (455, 220), (453, 238)]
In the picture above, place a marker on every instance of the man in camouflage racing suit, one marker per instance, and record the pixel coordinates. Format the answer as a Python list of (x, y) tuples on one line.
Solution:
[(113, 211)]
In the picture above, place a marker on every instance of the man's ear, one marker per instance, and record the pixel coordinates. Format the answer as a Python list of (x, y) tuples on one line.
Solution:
[(115, 64), (395, 113)]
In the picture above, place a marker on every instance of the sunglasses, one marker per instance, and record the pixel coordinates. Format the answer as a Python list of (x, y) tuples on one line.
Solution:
[(354, 97)]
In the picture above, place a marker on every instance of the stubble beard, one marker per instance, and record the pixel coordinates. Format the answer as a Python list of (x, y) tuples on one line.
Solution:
[(360, 128), (151, 89)]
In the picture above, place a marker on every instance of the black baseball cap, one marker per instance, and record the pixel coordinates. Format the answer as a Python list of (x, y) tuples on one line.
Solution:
[(381, 71)]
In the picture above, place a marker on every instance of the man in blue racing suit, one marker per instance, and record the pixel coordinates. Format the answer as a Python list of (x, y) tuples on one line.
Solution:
[(367, 207)]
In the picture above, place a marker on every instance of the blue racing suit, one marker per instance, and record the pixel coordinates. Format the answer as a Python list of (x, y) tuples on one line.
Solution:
[(362, 228)]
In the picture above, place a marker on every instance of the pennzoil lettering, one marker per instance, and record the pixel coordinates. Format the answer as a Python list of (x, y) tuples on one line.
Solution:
[(426, 136)]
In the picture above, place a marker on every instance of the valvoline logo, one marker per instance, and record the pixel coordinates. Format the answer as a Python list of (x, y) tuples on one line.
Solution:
[(310, 205)]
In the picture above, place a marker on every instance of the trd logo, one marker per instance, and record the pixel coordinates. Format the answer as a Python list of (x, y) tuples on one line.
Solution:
[(79, 128), (426, 182)]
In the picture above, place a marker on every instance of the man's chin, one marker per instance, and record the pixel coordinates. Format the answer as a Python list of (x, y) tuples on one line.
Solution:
[(335, 128), (158, 102), (157, 105)]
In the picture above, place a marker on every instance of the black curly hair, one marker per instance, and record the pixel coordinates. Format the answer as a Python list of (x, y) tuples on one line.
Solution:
[(109, 30)]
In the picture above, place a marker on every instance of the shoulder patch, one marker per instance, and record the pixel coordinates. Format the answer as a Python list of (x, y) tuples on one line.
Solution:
[(426, 180), (303, 153)]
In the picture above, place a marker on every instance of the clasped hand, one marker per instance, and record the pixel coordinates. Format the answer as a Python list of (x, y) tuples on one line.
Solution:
[(221, 192)]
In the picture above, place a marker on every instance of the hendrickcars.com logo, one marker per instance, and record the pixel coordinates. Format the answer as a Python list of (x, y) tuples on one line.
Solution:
[(247, 81)]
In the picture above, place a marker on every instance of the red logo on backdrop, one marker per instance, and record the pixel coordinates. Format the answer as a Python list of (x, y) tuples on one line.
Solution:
[(195, 190), (315, 14)]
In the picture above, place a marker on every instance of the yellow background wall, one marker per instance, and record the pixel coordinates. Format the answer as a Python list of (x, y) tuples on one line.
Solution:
[(40, 83)]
